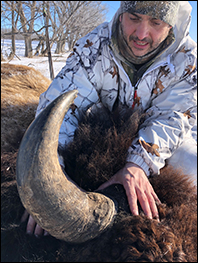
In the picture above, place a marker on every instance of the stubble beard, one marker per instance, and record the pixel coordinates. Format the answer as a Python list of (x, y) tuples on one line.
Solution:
[(134, 38)]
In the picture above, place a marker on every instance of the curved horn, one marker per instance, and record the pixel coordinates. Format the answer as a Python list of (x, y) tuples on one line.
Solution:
[(56, 203)]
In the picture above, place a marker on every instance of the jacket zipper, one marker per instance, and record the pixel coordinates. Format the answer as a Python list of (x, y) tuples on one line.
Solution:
[(135, 94), (135, 88), (161, 63), (134, 97)]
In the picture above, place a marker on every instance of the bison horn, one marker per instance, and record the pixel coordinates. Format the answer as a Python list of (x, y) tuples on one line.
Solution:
[(56, 203)]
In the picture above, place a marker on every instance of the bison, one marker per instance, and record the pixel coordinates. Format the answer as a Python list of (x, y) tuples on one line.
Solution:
[(86, 224), (20, 89)]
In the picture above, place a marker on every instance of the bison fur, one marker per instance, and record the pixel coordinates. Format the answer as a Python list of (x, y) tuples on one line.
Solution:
[(21, 87), (98, 150)]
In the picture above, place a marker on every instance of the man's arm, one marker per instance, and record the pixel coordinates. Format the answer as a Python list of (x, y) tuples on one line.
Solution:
[(170, 119)]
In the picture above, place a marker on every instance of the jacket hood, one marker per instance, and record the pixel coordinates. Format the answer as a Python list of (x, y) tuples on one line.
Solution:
[(181, 28)]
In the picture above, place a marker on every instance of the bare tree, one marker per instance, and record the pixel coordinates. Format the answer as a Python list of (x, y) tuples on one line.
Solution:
[(23, 20), (2, 58), (14, 22), (26, 13), (83, 22), (68, 20), (7, 9), (73, 19)]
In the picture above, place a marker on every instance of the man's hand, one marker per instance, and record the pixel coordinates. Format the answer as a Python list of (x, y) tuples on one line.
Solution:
[(32, 226), (138, 188)]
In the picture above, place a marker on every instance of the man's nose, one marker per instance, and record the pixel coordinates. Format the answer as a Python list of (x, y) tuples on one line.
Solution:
[(142, 30)]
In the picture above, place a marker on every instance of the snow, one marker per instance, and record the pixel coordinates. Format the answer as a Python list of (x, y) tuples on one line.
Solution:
[(39, 63)]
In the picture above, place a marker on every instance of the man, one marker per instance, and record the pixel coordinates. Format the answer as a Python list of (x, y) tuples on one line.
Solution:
[(144, 58)]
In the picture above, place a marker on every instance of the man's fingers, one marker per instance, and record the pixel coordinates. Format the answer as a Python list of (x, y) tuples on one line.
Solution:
[(132, 198), (147, 201), (38, 231), (153, 207), (143, 200), (137, 188), (153, 201), (33, 227), (24, 216), (156, 198), (30, 225)]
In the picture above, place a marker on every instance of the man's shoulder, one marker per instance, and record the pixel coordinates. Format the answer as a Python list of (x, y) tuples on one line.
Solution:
[(99, 34), (188, 46), (92, 48)]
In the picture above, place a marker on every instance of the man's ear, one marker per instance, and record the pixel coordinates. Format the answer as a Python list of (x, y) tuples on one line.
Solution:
[(120, 17)]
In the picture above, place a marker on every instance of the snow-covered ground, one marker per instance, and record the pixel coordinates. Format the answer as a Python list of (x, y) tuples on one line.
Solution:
[(39, 63)]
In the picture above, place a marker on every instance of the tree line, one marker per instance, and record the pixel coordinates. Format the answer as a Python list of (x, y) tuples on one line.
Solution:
[(49, 22)]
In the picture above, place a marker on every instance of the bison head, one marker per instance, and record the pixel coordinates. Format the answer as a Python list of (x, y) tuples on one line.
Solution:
[(68, 208)]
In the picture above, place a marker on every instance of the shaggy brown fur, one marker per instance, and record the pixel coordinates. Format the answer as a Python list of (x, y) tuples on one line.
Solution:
[(100, 147), (21, 87), (130, 238)]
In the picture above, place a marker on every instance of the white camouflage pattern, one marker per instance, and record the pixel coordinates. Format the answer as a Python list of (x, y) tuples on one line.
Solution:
[(167, 91)]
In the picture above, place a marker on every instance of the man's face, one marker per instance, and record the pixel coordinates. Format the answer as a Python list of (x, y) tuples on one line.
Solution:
[(143, 33)]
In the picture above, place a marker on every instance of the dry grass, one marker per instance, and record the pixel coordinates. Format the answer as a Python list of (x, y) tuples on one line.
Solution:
[(21, 87)]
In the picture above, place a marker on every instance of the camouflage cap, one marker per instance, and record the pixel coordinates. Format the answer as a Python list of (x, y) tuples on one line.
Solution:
[(163, 10)]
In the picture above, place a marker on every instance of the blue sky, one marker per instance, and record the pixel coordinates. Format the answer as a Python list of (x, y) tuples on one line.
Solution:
[(114, 5)]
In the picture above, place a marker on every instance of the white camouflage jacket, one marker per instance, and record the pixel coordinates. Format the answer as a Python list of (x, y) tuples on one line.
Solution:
[(167, 91)]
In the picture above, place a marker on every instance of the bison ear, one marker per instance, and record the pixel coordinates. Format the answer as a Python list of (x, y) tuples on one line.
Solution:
[(56, 203)]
